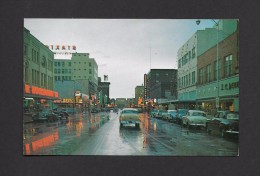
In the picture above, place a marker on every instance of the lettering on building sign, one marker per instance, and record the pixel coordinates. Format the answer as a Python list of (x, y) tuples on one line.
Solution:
[(229, 86), (61, 49)]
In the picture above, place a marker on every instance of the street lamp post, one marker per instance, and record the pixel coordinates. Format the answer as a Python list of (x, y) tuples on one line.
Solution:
[(217, 60)]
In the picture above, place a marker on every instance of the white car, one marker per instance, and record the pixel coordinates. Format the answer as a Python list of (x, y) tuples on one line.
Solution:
[(129, 117), (194, 118)]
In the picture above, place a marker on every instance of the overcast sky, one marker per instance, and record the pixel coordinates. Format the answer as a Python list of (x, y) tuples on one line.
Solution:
[(121, 47)]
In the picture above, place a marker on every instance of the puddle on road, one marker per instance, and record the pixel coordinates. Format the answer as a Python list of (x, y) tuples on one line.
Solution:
[(51, 138)]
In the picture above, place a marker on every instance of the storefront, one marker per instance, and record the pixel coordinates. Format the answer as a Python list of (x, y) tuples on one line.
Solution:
[(227, 95), (36, 98)]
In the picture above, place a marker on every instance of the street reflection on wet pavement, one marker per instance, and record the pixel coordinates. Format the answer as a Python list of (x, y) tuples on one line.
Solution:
[(100, 134)]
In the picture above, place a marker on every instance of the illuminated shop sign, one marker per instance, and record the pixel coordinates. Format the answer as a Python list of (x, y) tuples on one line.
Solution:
[(145, 86), (229, 86), (40, 91)]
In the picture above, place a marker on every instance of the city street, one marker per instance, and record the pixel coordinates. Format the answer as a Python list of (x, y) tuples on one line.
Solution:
[(99, 135)]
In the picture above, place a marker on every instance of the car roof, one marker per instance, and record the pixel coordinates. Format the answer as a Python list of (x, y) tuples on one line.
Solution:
[(130, 109), (196, 111)]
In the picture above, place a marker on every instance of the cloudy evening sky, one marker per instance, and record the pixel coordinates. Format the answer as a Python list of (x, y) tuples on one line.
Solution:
[(121, 47)]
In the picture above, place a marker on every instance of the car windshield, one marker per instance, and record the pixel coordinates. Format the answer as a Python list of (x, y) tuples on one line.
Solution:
[(232, 116), (129, 112), (198, 114)]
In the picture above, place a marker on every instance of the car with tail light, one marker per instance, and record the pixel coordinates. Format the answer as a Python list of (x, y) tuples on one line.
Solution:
[(129, 117)]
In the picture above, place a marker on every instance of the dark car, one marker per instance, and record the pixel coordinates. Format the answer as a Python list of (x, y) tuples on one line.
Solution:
[(154, 113), (94, 110), (45, 115), (227, 124), (180, 114), (61, 113)]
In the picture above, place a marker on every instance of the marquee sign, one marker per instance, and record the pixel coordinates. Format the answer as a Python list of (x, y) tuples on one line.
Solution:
[(62, 49)]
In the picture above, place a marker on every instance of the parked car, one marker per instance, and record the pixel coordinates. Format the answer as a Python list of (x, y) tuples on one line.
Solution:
[(226, 124), (180, 114), (194, 118), (62, 113), (164, 115), (153, 113), (94, 110), (129, 117), (171, 115), (45, 115), (160, 113)]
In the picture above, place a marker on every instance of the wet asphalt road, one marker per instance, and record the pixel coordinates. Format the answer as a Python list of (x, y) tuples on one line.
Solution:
[(98, 135)]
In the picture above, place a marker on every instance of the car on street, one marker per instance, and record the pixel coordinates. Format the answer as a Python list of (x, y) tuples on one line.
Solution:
[(160, 114), (171, 115), (164, 115), (194, 118), (227, 124), (153, 113), (180, 114), (94, 110), (45, 115), (129, 117)]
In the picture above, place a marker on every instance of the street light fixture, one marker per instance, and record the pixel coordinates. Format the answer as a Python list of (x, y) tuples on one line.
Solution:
[(217, 60)]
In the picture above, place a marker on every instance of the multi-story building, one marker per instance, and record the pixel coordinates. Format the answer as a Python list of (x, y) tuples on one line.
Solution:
[(162, 84), (103, 90), (38, 72), (226, 86), (80, 72), (198, 44), (120, 102), (139, 95)]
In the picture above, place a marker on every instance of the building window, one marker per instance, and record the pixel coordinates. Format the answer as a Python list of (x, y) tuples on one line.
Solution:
[(193, 53), (55, 70), (62, 64), (62, 71), (189, 55), (189, 79), (90, 71), (208, 73), (179, 63), (58, 64), (201, 76), (90, 64), (55, 64), (58, 71), (193, 77), (69, 63), (228, 66)]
